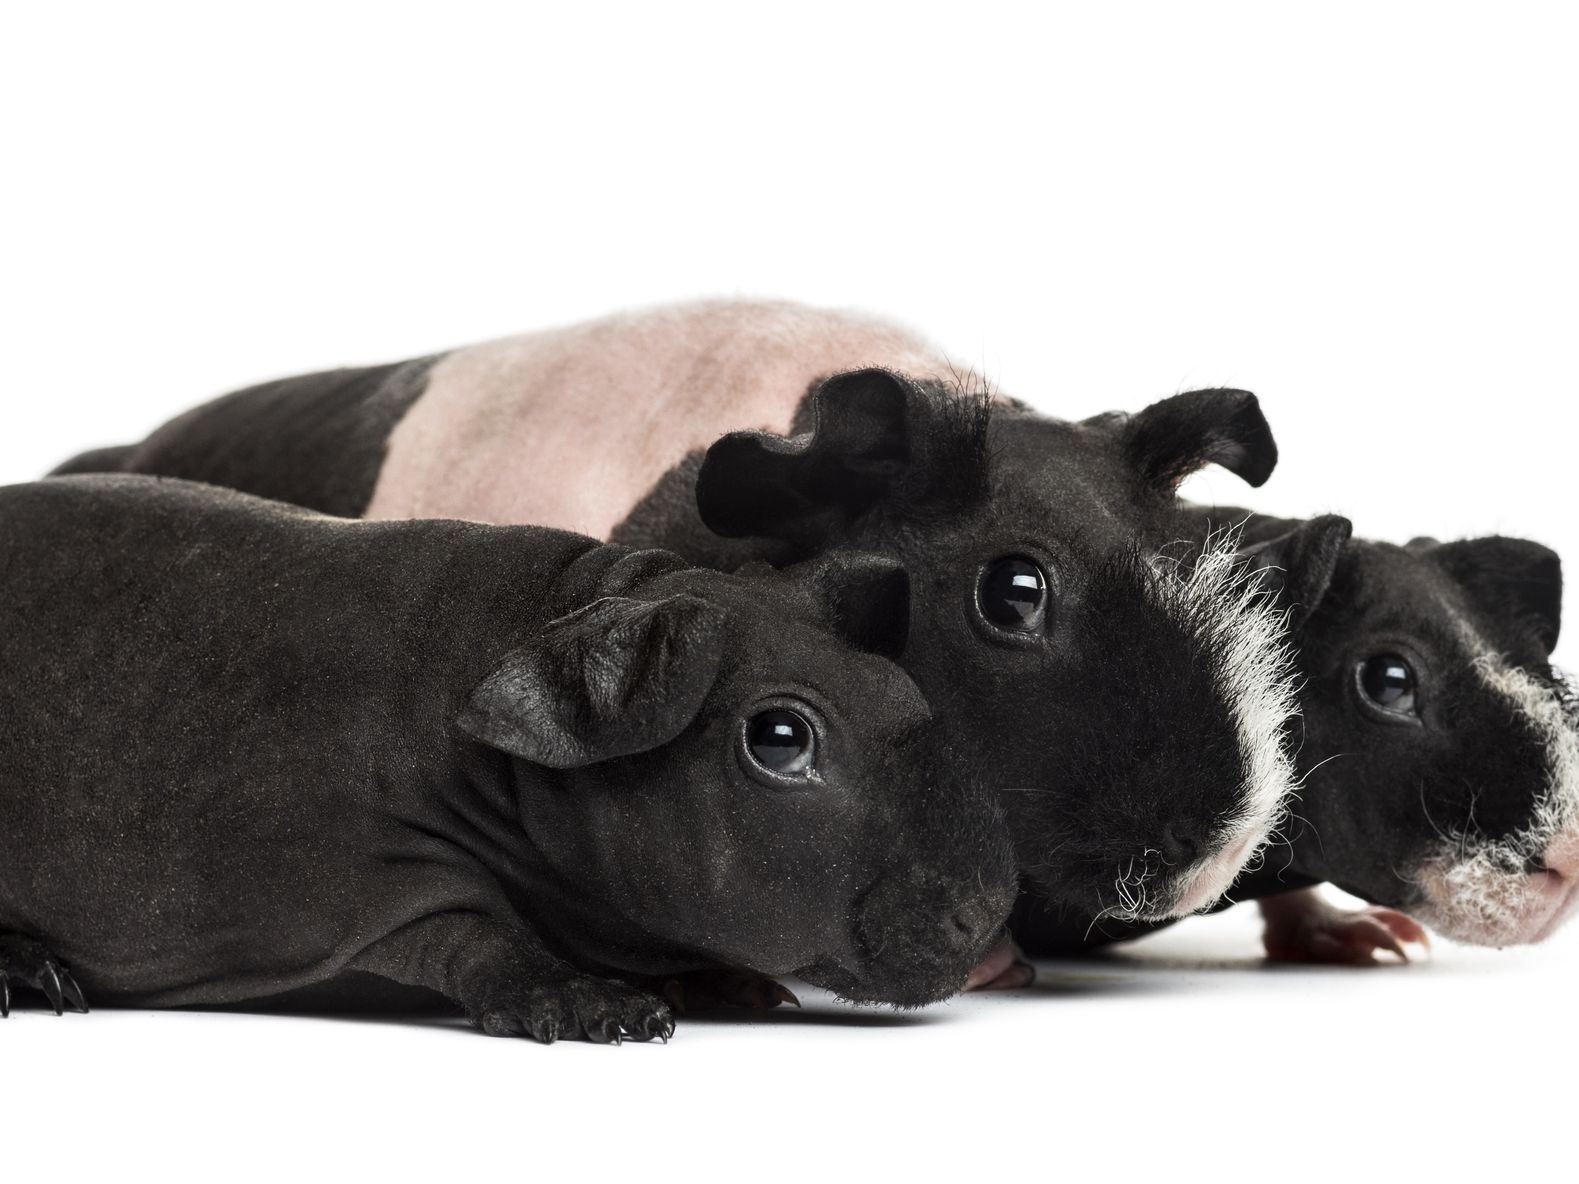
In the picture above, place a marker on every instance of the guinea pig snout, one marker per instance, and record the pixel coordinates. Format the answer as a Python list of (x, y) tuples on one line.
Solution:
[(1208, 878), (1562, 855), (1180, 844), (973, 925), (920, 935), (906, 915)]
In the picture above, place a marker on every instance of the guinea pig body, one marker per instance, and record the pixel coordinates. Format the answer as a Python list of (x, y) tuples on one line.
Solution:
[(249, 750), (1131, 710), (1439, 749), (566, 427)]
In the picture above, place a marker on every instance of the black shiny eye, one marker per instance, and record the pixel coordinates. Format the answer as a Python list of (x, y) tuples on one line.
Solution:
[(781, 742), (1013, 594), (1388, 682)]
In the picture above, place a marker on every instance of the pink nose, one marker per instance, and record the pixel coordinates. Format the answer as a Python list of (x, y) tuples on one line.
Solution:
[(1554, 897), (1562, 854)]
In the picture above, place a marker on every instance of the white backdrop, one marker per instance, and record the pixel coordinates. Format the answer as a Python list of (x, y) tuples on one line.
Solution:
[(1369, 214)]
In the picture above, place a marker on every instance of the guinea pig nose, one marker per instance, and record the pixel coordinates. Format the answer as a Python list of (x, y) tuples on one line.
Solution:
[(1179, 847), (968, 926)]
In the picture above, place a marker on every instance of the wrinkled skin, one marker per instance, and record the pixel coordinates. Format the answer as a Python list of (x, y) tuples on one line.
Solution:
[(252, 751), (1456, 802)]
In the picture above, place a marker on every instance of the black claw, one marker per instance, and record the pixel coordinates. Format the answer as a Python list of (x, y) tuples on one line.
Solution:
[(5, 996), (50, 981), (73, 992)]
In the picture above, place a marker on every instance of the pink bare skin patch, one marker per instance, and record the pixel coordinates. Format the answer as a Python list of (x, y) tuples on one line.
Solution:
[(1214, 877), (1302, 927), (1003, 969), (571, 427)]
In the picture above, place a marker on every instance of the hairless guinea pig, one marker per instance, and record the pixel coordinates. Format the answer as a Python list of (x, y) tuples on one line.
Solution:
[(248, 749), (1440, 750), (1131, 710)]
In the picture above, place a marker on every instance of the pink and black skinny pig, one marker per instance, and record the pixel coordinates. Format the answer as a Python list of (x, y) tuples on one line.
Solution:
[(250, 751), (1130, 709), (1438, 752)]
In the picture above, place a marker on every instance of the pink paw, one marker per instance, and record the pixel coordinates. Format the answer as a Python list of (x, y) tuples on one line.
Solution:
[(1301, 927), (1003, 969)]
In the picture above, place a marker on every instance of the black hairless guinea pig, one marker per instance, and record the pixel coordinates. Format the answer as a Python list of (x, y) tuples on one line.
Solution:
[(247, 749), (1132, 711), (1132, 708), (1439, 750)]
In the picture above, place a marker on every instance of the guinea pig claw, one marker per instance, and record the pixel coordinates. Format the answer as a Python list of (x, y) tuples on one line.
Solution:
[(782, 994), (1402, 926), (50, 983), (73, 992), (5, 996)]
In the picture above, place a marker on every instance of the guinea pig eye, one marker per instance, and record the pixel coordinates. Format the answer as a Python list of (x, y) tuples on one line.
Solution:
[(1013, 594), (781, 742), (1387, 681)]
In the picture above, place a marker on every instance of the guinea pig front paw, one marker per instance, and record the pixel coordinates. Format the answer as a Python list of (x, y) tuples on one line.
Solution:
[(577, 1008), (1301, 927), (25, 962)]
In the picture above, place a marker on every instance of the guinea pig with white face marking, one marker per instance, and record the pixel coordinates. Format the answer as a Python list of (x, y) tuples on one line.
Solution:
[(1133, 711), (1439, 752), (248, 750)]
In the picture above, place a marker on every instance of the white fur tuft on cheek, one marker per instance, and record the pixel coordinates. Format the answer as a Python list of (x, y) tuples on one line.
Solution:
[(1234, 618)]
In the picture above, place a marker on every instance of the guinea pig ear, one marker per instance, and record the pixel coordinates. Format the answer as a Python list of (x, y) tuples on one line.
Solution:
[(1298, 566), (757, 483), (614, 678), (867, 600), (1506, 577), (1174, 437)]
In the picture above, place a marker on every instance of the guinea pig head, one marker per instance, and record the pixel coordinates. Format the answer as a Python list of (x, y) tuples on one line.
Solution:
[(735, 766), (1441, 745), (1129, 708)]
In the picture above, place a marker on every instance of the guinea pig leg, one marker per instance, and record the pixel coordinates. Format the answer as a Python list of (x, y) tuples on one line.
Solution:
[(511, 985), (1302, 927), (27, 962), (1003, 969), (700, 990)]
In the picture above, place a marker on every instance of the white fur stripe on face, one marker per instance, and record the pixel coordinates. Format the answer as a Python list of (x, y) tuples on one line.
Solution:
[(1481, 890), (1234, 618)]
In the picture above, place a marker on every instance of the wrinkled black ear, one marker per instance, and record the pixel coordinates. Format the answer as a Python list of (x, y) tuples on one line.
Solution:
[(615, 678), (757, 483), (1298, 565), (867, 598), (1509, 578), (1174, 437)]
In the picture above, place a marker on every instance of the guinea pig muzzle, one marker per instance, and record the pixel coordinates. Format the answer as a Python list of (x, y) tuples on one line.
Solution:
[(1481, 901), (1205, 881)]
